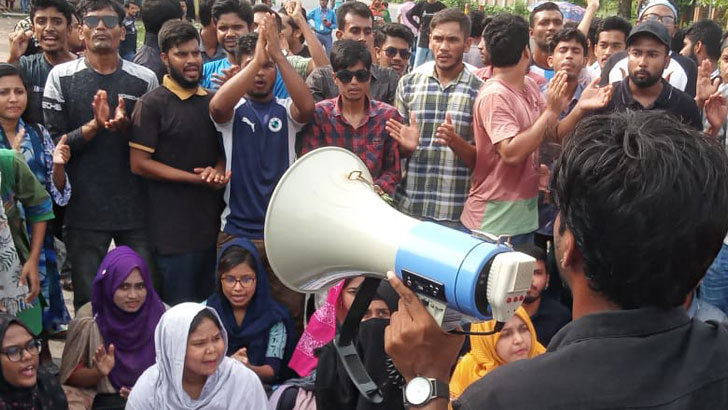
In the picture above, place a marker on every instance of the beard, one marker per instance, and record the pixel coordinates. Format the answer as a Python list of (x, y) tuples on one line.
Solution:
[(647, 81), (181, 80), (530, 299)]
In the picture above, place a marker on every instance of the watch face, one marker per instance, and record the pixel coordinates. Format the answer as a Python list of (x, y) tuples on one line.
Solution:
[(418, 390)]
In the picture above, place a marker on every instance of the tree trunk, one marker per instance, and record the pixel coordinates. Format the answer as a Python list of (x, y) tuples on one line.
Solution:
[(625, 9)]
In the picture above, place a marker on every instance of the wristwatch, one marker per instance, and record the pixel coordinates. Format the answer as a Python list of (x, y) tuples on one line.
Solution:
[(421, 390)]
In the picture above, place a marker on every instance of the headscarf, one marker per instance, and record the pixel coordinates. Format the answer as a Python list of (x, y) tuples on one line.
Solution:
[(482, 358), (261, 314), (160, 387), (47, 393), (321, 329), (132, 334)]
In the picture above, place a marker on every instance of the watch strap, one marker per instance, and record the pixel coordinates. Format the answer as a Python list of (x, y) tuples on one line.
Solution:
[(438, 389)]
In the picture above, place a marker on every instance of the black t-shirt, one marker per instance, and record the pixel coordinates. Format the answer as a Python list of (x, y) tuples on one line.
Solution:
[(424, 11), (304, 52), (35, 68), (179, 133), (550, 317)]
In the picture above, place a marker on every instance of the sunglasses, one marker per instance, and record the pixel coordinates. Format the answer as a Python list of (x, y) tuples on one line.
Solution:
[(109, 21), (345, 76), (403, 52)]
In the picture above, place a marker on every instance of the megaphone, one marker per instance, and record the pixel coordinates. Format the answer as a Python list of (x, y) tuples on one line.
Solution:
[(325, 222)]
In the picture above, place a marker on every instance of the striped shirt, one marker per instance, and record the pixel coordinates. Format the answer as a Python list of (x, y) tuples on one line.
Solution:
[(436, 182)]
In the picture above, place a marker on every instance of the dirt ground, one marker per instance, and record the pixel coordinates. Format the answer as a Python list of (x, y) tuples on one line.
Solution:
[(7, 24)]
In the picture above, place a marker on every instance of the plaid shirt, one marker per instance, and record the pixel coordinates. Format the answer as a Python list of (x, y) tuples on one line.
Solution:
[(436, 182), (370, 141)]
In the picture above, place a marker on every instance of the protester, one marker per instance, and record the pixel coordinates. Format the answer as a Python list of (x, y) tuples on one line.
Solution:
[(192, 371), (516, 341), (547, 315), (110, 343), (33, 143), (23, 383), (353, 120), (260, 331), (154, 14), (52, 27), (75, 42), (545, 20), (404, 8), (420, 17), (393, 43), (259, 13), (611, 38), (128, 47), (324, 23), (87, 99), (293, 32), (355, 23), (472, 56), (702, 43), (212, 50), (174, 146), (438, 136), (232, 18)]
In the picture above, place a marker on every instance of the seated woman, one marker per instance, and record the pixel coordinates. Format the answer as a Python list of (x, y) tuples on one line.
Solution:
[(23, 384), (516, 341), (260, 331), (192, 371), (111, 341)]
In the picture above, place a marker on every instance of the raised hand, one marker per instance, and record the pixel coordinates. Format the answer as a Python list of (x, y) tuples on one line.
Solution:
[(704, 87), (120, 122), (716, 110), (104, 360), (212, 177), (407, 136), (227, 73), (594, 97), (556, 96), (62, 152), (101, 108), (19, 41), (445, 133), (270, 31)]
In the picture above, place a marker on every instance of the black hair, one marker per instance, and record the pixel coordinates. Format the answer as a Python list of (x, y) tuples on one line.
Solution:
[(677, 44), (292, 22), (202, 315), (613, 23), (645, 197), (206, 12), (709, 33), (352, 7), (262, 8), (240, 7), (547, 6), (156, 12), (176, 32), (451, 15), (346, 53), (87, 6), (534, 251), (568, 34), (395, 30), (592, 35), (506, 37), (235, 255), (62, 6), (245, 45), (486, 21), (6, 70), (477, 19)]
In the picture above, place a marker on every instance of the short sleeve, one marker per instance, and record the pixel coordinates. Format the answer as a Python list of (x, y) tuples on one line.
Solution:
[(145, 123), (500, 122), (288, 103), (276, 341)]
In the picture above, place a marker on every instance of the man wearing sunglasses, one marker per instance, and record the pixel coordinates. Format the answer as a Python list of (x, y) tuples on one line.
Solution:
[(88, 100), (393, 44), (353, 120)]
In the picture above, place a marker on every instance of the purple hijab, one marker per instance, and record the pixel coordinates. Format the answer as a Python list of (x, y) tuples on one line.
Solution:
[(132, 334)]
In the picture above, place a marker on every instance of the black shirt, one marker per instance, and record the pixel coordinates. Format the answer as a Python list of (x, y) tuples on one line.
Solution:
[(182, 217), (148, 56), (643, 358), (550, 317), (424, 12), (128, 46), (670, 99), (35, 69)]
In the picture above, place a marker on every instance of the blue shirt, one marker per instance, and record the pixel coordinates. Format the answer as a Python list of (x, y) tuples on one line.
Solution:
[(316, 16), (216, 67)]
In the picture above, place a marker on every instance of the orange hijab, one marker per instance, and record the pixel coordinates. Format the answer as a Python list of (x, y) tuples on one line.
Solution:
[(482, 357)]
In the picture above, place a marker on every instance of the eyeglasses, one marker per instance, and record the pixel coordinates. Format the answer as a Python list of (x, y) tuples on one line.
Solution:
[(15, 353), (345, 76), (231, 281), (109, 21), (403, 52), (661, 19)]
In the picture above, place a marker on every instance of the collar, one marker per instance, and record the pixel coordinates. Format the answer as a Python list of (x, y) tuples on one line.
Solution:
[(151, 41), (371, 110), (661, 100), (179, 91), (457, 79)]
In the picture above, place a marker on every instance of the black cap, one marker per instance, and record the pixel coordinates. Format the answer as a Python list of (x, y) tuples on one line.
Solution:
[(653, 28)]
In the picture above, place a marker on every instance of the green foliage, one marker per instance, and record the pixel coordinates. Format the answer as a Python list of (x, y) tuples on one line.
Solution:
[(519, 8)]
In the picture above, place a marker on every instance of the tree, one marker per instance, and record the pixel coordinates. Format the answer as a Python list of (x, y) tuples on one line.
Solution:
[(625, 9)]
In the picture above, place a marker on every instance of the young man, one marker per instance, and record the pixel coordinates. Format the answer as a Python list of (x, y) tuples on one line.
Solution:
[(174, 146), (548, 316), (258, 134), (128, 46), (154, 14), (353, 120), (212, 50), (610, 38), (420, 17), (87, 99), (293, 31), (259, 12), (545, 20), (232, 18), (472, 56), (438, 110), (355, 23), (702, 43), (324, 23), (296, 17), (51, 27), (392, 43)]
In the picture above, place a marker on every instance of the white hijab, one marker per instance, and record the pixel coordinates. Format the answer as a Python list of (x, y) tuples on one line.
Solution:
[(232, 386)]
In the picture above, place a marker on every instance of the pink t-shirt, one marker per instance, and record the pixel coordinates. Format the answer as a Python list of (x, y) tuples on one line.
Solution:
[(503, 199)]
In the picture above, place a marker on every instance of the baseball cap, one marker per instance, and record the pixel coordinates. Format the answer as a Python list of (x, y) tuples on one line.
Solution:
[(653, 28)]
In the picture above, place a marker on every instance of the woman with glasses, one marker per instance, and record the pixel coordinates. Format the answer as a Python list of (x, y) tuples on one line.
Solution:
[(111, 341), (23, 384), (260, 331)]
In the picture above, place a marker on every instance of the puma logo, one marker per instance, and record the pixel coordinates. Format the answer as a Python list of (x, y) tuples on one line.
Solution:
[(247, 121)]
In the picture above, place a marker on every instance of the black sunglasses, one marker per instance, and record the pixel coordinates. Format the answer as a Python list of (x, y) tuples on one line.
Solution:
[(109, 21), (345, 76), (403, 52)]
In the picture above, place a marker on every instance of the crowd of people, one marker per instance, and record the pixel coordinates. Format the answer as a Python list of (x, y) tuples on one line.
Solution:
[(596, 147)]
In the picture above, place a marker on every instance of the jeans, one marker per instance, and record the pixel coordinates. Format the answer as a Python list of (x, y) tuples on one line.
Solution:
[(422, 55), (187, 277), (714, 288), (86, 250), (25, 6), (325, 40)]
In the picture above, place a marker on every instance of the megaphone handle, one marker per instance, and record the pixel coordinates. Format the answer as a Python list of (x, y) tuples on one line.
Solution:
[(343, 342)]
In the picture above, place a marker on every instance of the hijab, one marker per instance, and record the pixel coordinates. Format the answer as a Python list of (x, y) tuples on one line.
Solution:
[(160, 387), (132, 334), (261, 314), (47, 393), (483, 358)]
